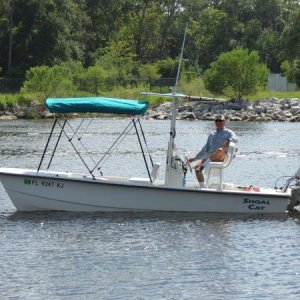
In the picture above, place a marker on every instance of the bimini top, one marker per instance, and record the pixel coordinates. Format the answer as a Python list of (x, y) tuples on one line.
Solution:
[(97, 104)]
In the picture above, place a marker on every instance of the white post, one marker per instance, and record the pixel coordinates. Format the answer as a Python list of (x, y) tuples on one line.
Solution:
[(170, 165), (171, 141)]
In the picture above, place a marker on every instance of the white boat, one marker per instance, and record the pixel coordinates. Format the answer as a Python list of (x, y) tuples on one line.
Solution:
[(42, 189)]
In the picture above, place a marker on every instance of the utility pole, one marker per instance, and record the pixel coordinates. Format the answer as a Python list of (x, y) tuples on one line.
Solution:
[(11, 12)]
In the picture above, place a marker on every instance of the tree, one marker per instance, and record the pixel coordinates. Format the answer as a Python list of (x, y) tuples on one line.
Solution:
[(208, 36), (48, 32), (236, 74), (291, 38), (118, 60), (297, 71), (141, 30), (5, 13), (288, 70), (106, 19)]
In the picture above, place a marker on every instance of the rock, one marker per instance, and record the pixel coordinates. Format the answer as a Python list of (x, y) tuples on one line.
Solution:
[(46, 114), (236, 118), (260, 109), (295, 109), (8, 117), (236, 110), (285, 106), (188, 116), (162, 116), (185, 107)]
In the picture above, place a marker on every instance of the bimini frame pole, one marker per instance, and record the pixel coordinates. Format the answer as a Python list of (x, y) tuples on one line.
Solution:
[(61, 131), (174, 115), (46, 147), (142, 149)]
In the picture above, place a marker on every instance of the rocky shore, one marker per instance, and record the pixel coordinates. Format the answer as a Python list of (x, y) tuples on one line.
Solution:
[(282, 110), (235, 110), (35, 110)]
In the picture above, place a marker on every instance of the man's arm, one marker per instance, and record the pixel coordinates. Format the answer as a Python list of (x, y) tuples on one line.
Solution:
[(203, 153), (233, 137)]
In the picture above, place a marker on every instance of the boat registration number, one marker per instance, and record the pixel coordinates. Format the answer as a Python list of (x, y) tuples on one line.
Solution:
[(44, 183)]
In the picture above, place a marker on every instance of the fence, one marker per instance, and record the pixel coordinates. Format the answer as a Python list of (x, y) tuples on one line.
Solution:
[(10, 85), (280, 83)]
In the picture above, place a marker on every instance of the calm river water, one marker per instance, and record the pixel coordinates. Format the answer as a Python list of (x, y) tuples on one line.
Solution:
[(151, 256)]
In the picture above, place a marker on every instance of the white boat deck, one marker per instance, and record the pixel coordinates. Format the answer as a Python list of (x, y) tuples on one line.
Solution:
[(140, 181)]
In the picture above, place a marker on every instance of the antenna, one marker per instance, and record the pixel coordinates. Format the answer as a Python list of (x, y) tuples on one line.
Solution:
[(180, 61)]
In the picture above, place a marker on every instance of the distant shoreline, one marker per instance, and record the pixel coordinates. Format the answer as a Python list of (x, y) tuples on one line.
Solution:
[(281, 110)]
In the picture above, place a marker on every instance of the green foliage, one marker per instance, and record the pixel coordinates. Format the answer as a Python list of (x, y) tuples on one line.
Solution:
[(274, 94), (167, 68), (47, 82), (269, 46), (195, 87), (94, 80), (209, 35), (8, 101), (292, 70), (46, 32), (297, 71), (149, 71), (291, 37), (125, 37), (118, 60), (288, 70), (74, 66), (75, 70), (236, 74)]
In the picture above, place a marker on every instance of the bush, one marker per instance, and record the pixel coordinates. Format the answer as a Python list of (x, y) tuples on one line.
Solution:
[(94, 80), (236, 74), (47, 82), (288, 70), (297, 71), (167, 68), (149, 71), (10, 100)]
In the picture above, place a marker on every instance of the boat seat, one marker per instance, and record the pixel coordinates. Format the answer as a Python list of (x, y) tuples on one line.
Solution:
[(217, 168)]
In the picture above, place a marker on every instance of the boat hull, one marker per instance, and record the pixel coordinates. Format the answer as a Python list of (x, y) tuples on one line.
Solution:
[(32, 191)]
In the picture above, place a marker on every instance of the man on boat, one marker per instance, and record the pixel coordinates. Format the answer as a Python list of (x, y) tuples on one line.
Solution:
[(215, 148)]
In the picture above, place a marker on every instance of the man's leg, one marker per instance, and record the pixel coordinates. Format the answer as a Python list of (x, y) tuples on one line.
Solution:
[(218, 155), (198, 171)]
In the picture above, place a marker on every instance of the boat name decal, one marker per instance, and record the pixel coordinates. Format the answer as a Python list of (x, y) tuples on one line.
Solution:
[(44, 183), (256, 204)]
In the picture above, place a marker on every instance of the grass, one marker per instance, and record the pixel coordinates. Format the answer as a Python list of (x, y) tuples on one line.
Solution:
[(194, 88), (274, 94), (9, 100)]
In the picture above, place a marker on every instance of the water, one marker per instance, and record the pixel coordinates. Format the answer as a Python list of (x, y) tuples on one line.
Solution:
[(152, 255)]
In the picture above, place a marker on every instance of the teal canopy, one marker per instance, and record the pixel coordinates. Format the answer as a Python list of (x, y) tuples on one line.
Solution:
[(97, 104)]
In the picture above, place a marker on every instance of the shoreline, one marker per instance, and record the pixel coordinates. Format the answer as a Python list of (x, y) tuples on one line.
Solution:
[(261, 110)]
